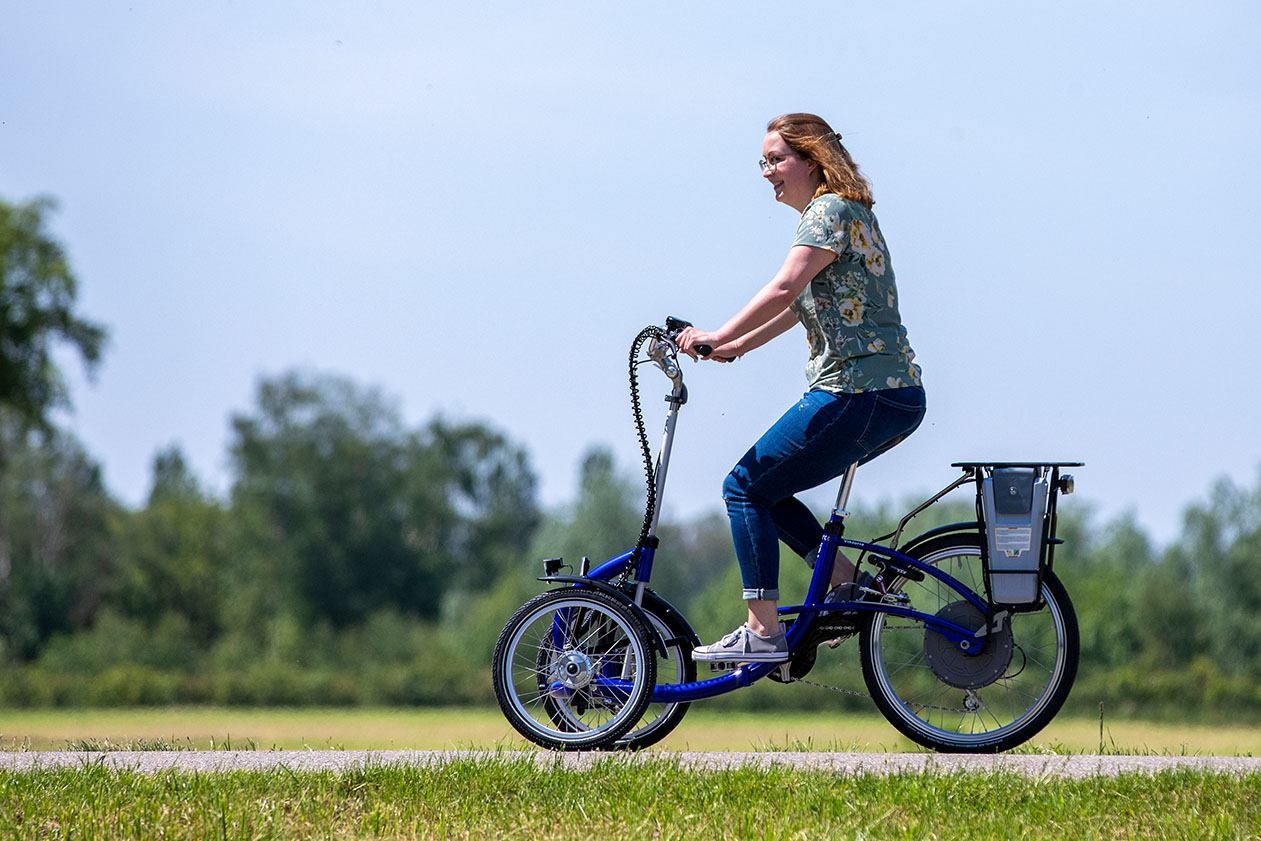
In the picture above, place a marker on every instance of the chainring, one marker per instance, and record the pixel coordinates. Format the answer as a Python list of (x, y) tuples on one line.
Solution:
[(968, 671)]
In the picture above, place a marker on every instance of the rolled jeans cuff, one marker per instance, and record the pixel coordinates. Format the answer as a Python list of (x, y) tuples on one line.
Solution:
[(763, 593)]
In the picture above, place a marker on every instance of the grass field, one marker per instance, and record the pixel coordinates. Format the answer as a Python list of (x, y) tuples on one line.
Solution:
[(205, 728), (502, 797)]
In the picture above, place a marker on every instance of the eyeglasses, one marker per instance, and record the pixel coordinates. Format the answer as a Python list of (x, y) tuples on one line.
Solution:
[(773, 161)]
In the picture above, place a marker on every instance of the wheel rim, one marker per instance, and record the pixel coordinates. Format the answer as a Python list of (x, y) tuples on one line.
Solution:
[(559, 664), (957, 715)]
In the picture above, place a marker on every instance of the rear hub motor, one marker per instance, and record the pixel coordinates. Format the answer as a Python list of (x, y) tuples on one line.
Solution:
[(962, 670)]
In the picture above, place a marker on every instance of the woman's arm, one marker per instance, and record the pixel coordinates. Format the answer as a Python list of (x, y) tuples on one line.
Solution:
[(778, 325), (769, 304)]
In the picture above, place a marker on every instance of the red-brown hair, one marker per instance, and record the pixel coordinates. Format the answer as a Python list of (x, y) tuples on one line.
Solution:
[(813, 139)]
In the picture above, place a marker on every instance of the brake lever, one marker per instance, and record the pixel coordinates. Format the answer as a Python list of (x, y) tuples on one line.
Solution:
[(675, 326)]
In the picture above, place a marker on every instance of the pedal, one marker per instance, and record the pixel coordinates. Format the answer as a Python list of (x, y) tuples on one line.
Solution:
[(836, 642), (834, 636), (719, 666), (835, 631)]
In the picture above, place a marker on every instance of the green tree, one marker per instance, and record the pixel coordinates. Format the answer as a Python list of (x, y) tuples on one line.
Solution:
[(37, 298), (173, 554), (693, 554), (56, 558), (365, 515), (1218, 560), (491, 488), (1107, 570), (604, 521)]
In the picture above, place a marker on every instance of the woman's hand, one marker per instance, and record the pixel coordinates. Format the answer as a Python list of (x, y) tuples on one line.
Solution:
[(729, 352), (691, 337)]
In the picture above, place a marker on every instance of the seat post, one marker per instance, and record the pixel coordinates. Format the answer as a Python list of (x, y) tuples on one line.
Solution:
[(842, 496)]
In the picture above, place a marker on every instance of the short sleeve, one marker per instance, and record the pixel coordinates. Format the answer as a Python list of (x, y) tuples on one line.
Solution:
[(823, 224)]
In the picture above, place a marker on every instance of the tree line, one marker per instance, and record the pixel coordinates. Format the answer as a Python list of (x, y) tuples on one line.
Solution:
[(357, 560)]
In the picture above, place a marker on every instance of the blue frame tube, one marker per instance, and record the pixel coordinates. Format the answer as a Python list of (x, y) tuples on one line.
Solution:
[(748, 673), (671, 693), (819, 582), (613, 566)]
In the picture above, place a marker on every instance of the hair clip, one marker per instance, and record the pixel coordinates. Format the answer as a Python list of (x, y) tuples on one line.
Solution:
[(837, 135)]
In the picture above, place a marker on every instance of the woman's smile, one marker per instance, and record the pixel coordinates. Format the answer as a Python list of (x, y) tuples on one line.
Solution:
[(793, 178)]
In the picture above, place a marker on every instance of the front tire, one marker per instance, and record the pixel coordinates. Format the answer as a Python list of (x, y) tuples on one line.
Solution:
[(574, 669), (949, 702)]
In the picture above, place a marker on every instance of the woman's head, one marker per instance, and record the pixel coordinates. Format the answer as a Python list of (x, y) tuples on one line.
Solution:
[(812, 140)]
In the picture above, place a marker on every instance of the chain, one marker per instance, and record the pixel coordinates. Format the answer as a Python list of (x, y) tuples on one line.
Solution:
[(854, 693), (840, 690)]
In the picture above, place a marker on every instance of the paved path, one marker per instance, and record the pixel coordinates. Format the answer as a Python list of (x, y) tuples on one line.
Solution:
[(843, 763)]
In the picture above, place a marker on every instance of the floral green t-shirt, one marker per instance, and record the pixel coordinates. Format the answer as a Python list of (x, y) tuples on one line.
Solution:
[(850, 309)]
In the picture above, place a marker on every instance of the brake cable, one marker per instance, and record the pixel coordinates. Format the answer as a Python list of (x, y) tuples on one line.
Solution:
[(650, 473)]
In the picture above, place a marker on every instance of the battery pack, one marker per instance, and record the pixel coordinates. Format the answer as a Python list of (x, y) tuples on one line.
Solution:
[(1014, 503)]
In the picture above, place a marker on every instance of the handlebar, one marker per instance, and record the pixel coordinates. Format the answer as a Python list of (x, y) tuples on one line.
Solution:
[(675, 326)]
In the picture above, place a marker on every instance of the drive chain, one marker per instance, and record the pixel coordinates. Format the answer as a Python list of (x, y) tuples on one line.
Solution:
[(854, 693)]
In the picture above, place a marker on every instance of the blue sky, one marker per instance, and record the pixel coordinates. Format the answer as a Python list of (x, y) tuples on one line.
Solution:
[(475, 207)]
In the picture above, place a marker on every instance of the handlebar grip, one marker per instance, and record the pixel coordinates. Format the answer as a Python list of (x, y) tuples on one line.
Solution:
[(704, 350)]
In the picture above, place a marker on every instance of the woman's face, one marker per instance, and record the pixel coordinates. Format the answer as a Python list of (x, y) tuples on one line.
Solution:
[(793, 178)]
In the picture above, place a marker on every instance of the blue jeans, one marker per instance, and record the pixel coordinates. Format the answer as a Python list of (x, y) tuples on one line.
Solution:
[(815, 441)]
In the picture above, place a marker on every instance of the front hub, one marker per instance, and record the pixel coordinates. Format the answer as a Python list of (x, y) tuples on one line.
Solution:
[(573, 670)]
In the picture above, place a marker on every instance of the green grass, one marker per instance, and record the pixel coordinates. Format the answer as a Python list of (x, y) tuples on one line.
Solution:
[(231, 728), (505, 796), (509, 798)]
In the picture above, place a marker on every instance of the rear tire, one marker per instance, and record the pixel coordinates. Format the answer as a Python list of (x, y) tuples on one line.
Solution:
[(949, 702)]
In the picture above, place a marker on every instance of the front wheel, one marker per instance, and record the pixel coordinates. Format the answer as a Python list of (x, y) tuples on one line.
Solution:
[(950, 701), (574, 669), (674, 666)]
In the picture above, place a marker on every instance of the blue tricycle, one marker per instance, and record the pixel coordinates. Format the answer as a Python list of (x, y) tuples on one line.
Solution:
[(968, 644)]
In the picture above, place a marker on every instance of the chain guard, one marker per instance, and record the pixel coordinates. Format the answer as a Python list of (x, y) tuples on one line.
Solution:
[(968, 671)]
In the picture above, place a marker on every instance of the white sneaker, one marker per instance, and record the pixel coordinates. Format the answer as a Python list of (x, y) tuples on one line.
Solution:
[(744, 646)]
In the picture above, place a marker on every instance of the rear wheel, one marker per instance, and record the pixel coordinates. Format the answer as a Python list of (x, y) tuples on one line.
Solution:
[(949, 701), (675, 666), (574, 669)]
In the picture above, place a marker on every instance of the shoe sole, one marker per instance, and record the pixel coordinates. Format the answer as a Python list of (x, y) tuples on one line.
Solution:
[(742, 658)]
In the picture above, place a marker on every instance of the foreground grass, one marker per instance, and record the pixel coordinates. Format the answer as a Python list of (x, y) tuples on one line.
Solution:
[(216, 728), (510, 798)]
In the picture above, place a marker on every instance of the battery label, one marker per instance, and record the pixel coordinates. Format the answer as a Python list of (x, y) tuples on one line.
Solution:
[(1012, 542)]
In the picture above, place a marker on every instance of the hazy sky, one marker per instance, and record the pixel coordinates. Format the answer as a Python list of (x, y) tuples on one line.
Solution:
[(475, 207)]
